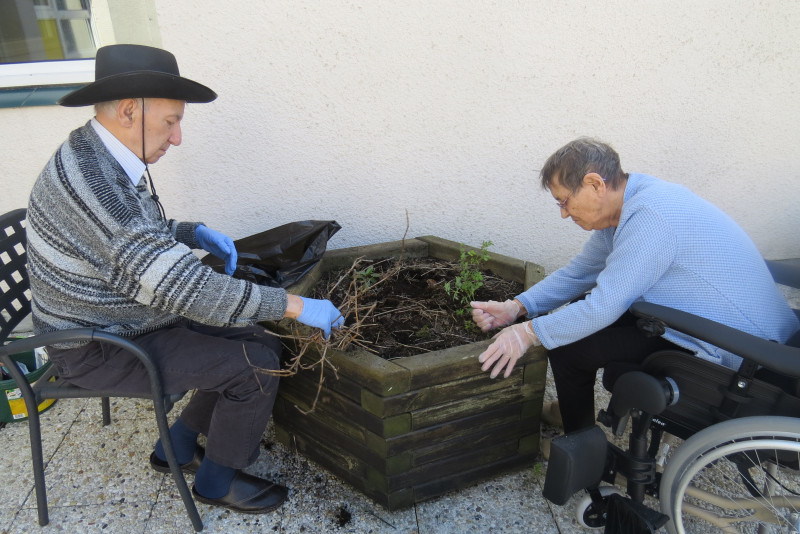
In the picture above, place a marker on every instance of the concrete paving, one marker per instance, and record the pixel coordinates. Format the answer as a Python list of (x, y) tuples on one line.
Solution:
[(99, 480)]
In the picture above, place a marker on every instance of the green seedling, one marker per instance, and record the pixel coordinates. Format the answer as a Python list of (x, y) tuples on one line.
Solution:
[(367, 277), (470, 278)]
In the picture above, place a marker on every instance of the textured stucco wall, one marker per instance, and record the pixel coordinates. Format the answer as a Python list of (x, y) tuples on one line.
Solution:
[(359, 111)]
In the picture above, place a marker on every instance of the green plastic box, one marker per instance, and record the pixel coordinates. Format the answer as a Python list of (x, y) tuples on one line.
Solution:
[(12, 405)]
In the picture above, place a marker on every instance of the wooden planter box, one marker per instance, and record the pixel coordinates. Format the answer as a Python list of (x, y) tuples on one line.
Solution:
[(412, 428)]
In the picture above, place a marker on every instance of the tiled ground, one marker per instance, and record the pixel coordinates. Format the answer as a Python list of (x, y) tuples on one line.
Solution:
[(99, 480)]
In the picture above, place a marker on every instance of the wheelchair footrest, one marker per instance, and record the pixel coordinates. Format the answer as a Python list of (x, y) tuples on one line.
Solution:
[(626, 516), (577, 461)]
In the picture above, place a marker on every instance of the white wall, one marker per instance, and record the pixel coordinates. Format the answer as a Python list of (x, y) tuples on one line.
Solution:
[(359, 111)]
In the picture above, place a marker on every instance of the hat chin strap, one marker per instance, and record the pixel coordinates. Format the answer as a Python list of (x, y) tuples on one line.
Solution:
[(150, 183)]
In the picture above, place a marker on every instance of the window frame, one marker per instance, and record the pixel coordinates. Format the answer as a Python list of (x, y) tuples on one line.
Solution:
[(39, 73)]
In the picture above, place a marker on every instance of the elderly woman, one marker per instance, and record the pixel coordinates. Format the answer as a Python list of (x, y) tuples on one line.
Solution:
[(651, 240)]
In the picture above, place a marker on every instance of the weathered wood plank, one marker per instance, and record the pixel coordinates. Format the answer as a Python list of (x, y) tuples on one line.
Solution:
[(509, 413), (503, 266), (534, 273), (436, 394), (337, 411), (444, 484), (349, 467), (484, 438), (452, 465), (456, 363), (381, 376), (456, 410), (343, 258), (333, 439)]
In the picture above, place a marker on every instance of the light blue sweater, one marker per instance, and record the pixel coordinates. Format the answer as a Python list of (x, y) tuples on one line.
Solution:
[(672, 248)]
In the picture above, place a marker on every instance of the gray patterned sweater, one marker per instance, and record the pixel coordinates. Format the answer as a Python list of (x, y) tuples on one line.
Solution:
[(99, 255)]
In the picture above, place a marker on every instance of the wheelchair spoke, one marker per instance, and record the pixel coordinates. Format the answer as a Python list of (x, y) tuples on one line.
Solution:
[(755, 499), (747, 483)]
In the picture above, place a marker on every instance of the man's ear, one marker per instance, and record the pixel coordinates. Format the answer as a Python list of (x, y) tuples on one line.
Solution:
[(127, 112), (595, 181)]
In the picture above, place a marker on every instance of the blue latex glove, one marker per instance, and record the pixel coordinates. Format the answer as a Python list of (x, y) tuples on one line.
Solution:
[(219, 245), (321, 314)]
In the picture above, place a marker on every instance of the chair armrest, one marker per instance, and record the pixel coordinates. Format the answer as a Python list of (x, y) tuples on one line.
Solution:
[(50, 338), (77, 335), (776, 356)]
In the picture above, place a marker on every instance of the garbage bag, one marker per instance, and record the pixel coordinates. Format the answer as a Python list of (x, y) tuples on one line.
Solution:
[(281, 256)]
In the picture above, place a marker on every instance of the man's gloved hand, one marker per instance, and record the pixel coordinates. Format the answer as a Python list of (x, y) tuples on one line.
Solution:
[(493, 314), (320, 314), (509, 346), (219, 245)]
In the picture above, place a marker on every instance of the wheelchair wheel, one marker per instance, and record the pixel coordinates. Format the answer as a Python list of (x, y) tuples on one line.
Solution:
[(585, 513), (737, 476)]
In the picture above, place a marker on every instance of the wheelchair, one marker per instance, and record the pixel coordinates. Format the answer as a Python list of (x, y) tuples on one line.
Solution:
[(710, 449)]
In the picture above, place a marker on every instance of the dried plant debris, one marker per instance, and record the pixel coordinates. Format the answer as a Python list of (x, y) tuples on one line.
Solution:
[(392, 308), (399, 307)]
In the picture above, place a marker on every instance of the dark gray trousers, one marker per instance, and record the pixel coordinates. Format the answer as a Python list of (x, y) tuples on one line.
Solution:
[(233, 399), (618, 348)]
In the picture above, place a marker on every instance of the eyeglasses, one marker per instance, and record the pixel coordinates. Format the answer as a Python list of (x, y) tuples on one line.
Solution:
[(563, 204)]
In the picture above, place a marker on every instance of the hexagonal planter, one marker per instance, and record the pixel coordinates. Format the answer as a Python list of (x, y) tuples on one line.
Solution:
[(412, 428)]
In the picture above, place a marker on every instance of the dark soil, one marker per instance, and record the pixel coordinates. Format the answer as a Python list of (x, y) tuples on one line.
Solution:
[(412, 312)]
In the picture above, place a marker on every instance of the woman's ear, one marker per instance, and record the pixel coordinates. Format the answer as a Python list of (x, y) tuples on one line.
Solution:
[(595, 181)]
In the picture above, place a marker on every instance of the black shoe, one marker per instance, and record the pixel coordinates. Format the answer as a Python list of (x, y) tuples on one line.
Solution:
[(249, 495), (190, 467)]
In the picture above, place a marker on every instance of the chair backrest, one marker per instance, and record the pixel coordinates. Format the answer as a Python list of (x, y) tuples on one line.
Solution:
[(15, 293)]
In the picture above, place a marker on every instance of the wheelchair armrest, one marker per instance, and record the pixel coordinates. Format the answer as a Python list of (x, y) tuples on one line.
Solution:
[(642, 391), (776, 356)]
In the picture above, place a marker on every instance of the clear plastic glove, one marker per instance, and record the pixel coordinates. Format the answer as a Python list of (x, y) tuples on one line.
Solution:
[(508, 347), (493, 314), (320, 314), (219, 245)]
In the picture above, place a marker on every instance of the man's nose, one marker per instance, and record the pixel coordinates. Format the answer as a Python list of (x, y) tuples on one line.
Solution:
[(177, 135), (564, 213)]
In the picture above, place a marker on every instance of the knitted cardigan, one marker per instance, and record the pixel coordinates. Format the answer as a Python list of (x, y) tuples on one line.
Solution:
[(99, 255), (672, 248)]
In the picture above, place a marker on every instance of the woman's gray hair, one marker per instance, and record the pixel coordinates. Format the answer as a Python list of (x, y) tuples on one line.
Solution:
[(570, 163)]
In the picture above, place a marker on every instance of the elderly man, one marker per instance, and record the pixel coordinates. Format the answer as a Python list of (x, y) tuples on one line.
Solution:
[(101, 253), (651, 240)]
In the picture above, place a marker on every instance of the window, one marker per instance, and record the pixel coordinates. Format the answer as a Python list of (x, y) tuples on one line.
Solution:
[(45, 30), (47, 47)]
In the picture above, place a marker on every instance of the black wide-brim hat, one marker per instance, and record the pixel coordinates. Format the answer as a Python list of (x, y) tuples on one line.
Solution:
[(136, 71)]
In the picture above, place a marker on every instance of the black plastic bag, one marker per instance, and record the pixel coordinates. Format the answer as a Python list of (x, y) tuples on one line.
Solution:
[(280, 256)]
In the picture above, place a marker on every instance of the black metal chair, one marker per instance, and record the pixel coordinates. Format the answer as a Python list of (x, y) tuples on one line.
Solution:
[(15, 305)]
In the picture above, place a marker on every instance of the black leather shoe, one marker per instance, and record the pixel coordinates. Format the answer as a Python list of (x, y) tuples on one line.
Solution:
[(190, 467), (249, 495)]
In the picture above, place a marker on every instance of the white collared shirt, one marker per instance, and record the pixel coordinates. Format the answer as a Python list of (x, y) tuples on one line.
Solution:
[(130, 162)]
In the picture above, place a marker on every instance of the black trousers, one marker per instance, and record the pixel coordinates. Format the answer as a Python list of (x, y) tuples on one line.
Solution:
[(618, 347), (234, 397)]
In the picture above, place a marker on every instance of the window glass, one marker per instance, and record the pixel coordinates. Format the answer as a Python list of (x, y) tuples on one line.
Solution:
[(45, 30)]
